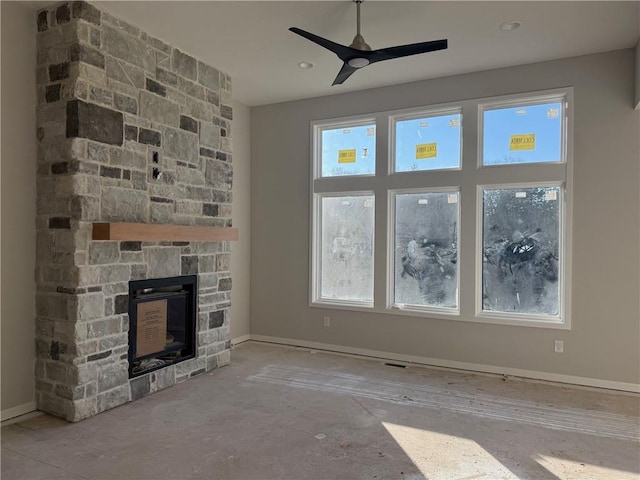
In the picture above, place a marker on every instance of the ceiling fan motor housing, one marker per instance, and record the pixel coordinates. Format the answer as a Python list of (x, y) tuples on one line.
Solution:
[(359, 43)]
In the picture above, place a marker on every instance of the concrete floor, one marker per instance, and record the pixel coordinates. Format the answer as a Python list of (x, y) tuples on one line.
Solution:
[(288, 413)]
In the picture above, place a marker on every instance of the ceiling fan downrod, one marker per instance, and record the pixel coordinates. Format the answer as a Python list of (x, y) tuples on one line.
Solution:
[(358, 41)]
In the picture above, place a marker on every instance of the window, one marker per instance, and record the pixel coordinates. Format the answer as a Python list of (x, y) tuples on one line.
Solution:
[(427, 142), (441, 225), (348, 150), (426, 249), (346, 255), (522, 133), (520, 250)]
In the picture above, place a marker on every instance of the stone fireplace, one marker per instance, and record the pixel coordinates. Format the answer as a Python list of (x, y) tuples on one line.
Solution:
[(130, 129)]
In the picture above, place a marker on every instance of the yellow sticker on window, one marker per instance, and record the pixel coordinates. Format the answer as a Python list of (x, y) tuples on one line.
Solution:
[(523, 142), (426, 150), (347, 156)]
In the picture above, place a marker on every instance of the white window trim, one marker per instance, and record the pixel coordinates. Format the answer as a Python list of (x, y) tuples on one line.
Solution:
[(510, 101), (391, 267), (316, 132), (384, 181), (316, 280), (558, 321), (414, 115)]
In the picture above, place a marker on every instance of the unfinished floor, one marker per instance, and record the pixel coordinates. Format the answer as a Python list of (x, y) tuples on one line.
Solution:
[(288, 413)]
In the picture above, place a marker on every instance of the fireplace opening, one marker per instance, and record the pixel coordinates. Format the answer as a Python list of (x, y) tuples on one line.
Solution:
[(162, 322)]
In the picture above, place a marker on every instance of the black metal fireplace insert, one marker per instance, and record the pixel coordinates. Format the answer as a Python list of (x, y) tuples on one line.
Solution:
[(162, 322)]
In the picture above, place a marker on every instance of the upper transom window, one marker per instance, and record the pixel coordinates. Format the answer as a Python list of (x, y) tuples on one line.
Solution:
[(348, 150), (523, 132), (429, 141)]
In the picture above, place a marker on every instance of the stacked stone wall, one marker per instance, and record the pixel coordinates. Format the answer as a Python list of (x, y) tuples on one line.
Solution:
[(109, 96)]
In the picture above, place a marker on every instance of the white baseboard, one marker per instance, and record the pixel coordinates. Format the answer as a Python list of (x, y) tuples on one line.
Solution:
[(474, 367), (240, 339), (17, 411)]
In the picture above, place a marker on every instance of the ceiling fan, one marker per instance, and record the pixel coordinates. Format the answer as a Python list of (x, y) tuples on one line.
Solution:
[(359, 53)]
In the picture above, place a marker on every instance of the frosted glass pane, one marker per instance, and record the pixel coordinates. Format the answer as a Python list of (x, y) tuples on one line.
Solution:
[(426, 249), (520, 250), (429, 143), (349, 151), (347, 248), (524, 134)]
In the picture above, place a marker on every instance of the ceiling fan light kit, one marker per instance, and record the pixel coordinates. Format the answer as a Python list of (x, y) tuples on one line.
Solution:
[(359, 54)]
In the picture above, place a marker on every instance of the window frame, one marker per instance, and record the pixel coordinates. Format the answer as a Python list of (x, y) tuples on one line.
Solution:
[(316, 280), (512, 101), (415, 114), (467, 180), (391, 217), (505, 318), (343, 123)]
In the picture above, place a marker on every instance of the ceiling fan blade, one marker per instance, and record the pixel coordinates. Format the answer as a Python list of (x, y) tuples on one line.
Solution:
[(345, 72), (407, 50), (340, 50)]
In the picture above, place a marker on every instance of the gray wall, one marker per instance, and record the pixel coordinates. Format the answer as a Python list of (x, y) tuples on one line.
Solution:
[(637, 98), (240, 250), (18, 205), (603, 341)]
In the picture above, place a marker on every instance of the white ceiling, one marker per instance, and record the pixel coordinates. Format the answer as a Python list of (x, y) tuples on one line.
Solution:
[(250, 40)]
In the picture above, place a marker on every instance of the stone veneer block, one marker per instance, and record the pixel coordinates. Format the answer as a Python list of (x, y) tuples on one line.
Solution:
[(63, 14), (163, 262), (226, 111), (140, 387), (208, 76), (181, 144), (159, 109), (43, 20), (119, 204), (189, 124), (210, 136), (94, 122), (216, 319), (83, 53), (184, 64), (166, 77), (103, 253), (150, 137), (125, 103), (128, 48), (59, 71), (219, 174), (85, 11), (124, 73)]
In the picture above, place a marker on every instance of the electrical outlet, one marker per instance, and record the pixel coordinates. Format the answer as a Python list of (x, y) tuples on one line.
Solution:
[(327, 321), (558, 346)]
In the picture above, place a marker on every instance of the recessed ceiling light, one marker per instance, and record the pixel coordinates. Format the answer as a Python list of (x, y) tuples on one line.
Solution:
[(511, 25), (305, 65)]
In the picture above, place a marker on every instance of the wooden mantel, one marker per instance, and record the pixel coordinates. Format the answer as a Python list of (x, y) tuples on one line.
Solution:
[(162, 233)]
